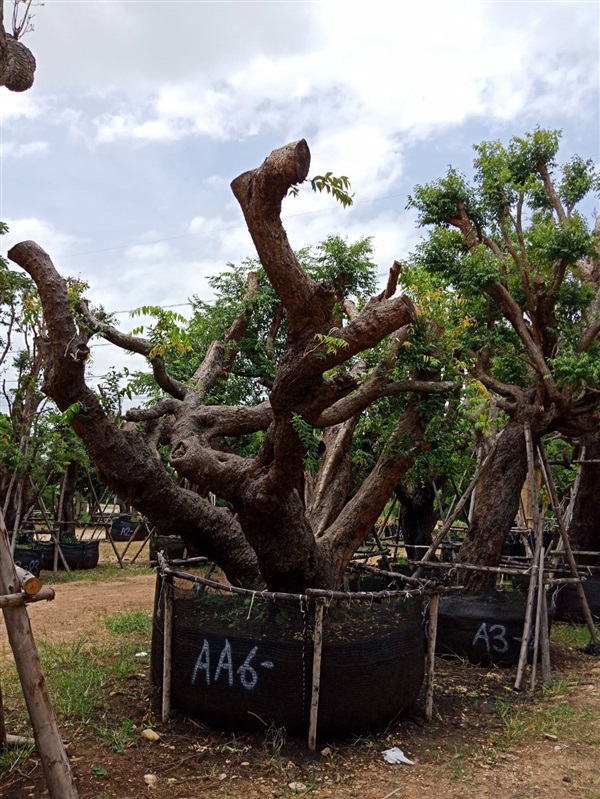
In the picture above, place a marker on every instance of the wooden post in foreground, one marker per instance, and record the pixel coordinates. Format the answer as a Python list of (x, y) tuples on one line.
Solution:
[(51, 750), (431, 638), (316, 675), (535, 564), (2, 727), (167, 647)]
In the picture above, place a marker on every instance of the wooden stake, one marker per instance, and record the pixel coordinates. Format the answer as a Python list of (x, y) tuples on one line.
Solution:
[(545, 643), (51, 750), (316, 675), (538, 619), (167, 646), (3, 740), (19, 740), (19, 599), (567, 544), (431, 639), (533, 580)]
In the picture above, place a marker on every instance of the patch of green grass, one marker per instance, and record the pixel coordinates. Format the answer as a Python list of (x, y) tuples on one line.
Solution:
[(13, 758), (573, 636), (545, 714), (80, 676), (129, 623), (119, 738)]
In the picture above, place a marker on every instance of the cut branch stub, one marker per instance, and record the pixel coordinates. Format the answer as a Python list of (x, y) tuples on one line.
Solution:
[(260, 193), (17, 64)]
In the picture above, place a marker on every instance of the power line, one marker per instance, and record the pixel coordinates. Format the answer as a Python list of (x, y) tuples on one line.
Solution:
[(222, 229)]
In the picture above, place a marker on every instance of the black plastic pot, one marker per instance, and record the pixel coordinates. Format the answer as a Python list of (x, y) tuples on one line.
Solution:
[(79, 555), (568, 605), (172, 547), (29, 557), (122, 529), (485, 629), (243, 663)]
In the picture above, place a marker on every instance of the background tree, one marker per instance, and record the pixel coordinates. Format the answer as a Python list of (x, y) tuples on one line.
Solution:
[(514, 246)]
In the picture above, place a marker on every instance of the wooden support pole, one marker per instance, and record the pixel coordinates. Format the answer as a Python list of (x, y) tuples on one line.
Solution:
[(535, 566), (28, 582), (19, 599), (316, 675), (19, 740), (545, 643), (566, 543), (167, 587), (51, 750), (3, 740), (539, 621), (431, 639)]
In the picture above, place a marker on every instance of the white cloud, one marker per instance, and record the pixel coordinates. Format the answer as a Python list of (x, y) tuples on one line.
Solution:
[(104, 46), (155, 251), (11, 149), (390, 67), (14, 105), (54, 241)]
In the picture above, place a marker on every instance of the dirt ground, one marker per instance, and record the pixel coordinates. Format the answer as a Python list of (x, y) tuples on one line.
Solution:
[(485, 740)]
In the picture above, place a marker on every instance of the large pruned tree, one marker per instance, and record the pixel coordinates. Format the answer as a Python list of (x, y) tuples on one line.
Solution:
[(514, 246), (269, 527)]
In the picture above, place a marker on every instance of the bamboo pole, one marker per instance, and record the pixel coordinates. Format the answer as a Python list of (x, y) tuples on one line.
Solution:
[(472, 567), (54, 537), (431, 639), (312, 593), (3, 736), (538, 620), (534, 577), (316, 674), (167, 647), (51, 750), (61, 501), (545, 643), (567, 544)]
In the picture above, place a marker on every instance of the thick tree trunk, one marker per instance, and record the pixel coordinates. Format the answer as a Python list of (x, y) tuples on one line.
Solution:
[(496, 506), (66, 523), (584, 530), (417, 516)]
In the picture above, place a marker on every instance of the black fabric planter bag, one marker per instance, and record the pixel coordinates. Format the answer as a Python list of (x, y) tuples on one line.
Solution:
[(568, 604), (172, 546), (242, 663), (122, 529), (80, 555), (485, 629), (29, 558)]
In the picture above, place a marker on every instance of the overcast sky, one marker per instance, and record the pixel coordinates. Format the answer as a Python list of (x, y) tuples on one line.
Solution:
[(118, 161)]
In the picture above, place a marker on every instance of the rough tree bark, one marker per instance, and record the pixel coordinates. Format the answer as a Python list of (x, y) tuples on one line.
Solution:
[(418, 515), (17, 64), (266, 534), (66, 522)]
